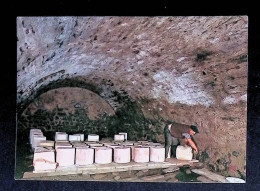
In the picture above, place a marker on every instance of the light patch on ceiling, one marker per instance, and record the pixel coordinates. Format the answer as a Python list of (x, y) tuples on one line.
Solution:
[(185, 89), (244, 97), (230, 100), (234, 99), (181, 59), (213, 40)]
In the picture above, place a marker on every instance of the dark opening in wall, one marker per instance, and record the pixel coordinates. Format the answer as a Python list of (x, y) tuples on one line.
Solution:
[(43, 111)]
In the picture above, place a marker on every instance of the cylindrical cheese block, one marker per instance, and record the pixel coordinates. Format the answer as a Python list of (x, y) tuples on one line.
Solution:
[(119, 137), (61, 136), (44, 154), (125, 135), (184, 153), (62, 145), (84, 156), (65, 156), (36, 139), (46, 143), (141, 154), (81, 136), (36, 132), (41, 165), (157, 154), (122, 154), (103, 155), (74, 138), (133, 149), (93, 137)]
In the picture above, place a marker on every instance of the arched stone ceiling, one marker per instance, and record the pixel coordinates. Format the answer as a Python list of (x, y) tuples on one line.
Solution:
[(187, 60)]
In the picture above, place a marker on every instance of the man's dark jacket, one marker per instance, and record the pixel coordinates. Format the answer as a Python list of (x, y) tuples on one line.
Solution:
[(178, 129)]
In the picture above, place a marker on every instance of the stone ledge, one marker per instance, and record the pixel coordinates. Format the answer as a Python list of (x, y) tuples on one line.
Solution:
[(205, 179)]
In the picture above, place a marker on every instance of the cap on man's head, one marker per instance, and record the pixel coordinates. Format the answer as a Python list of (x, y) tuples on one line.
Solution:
[(169, 122), (194, 128)]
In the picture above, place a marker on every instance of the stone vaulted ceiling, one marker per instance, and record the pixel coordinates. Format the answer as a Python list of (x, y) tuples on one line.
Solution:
[(187, 60)]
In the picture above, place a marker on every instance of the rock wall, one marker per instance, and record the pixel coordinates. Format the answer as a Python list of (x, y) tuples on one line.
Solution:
[(191, 70), (78, 110)]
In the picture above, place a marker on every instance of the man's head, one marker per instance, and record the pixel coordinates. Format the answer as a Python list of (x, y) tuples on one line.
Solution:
[(169, 123), (193, 130)]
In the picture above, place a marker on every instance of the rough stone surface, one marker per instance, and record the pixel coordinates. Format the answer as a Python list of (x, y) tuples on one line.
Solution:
[(117, 177), (170, 175), (210, 175), (127, 174), (204, 179), (140, 173), (170, 169), (191, 70), (145, 170), (153, 178), (98, 176), (172, 180), (115, 173), (197, 165)]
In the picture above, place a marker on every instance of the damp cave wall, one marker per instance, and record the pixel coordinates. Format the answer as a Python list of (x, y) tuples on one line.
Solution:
[(146, 70)]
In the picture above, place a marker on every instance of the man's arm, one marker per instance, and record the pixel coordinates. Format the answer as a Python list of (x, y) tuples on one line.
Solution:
[(192, 144)]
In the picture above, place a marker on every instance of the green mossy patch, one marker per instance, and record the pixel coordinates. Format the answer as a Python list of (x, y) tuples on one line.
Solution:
[(24, 160), (182, 176)]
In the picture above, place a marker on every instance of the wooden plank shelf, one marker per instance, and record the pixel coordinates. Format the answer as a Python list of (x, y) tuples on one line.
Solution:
[(106, 168)]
